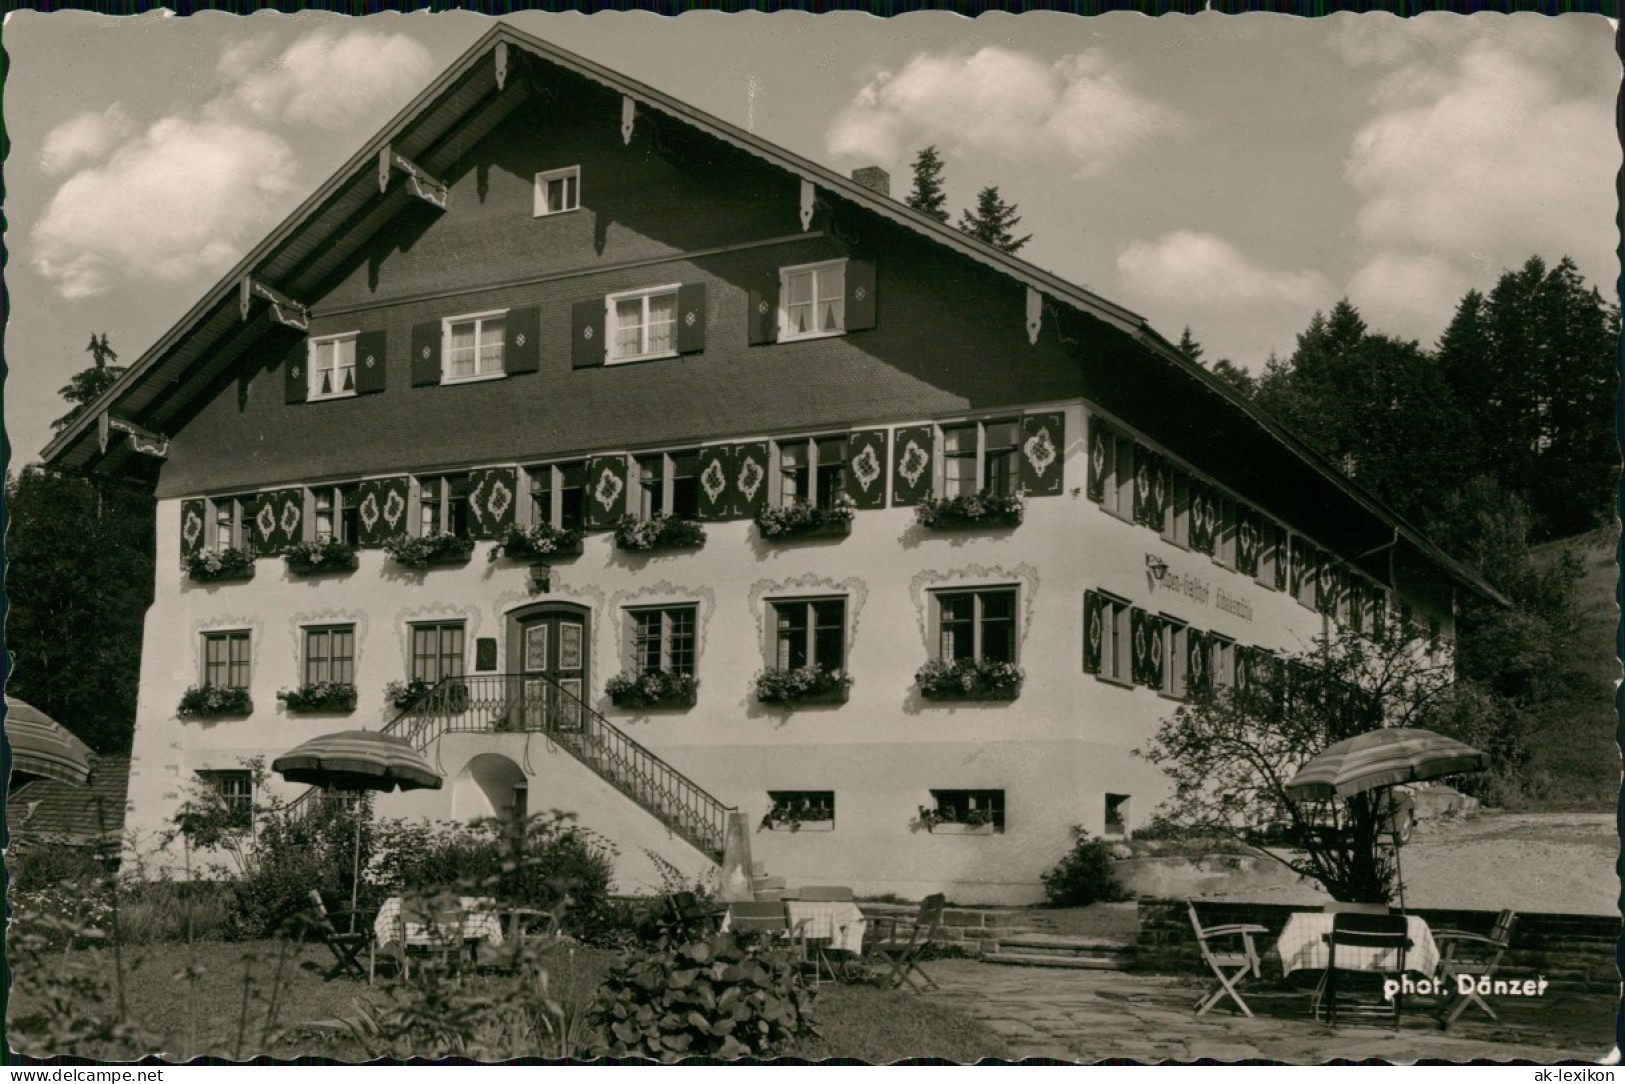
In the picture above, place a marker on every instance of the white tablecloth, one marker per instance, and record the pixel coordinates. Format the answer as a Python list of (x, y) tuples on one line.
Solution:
[(480, 923), (1301, 947), (839, 922)]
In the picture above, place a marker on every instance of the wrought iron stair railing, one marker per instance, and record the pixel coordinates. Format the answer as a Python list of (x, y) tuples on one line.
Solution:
[(533, 703)]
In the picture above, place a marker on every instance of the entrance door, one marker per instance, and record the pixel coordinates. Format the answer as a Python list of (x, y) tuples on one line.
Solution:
[(547, 647)]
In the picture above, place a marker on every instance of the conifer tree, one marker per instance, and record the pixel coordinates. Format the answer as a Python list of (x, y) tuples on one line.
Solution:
[(994, 221), (928, 196)]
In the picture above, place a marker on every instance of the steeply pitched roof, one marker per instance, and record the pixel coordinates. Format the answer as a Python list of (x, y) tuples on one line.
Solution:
[(49, 811), (436, 129)]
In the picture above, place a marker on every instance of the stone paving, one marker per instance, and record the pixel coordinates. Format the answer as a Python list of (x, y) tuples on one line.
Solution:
[(1095, 1016)]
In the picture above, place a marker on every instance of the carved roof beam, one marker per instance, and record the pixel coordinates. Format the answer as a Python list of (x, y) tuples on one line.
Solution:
[(284, 310), (142, 440), (418, 182)]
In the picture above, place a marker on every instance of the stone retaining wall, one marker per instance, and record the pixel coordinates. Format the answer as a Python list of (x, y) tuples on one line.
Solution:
[(975, 930), (1575, 950)]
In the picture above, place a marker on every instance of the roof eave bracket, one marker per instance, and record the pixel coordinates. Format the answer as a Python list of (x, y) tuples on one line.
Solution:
[(435, 193), (142, 440), (284, 310)]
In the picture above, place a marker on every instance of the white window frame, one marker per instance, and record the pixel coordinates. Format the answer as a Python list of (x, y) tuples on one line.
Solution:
[(312, 384), (477, 319), (543, 178), (785, 274), (612, 328)]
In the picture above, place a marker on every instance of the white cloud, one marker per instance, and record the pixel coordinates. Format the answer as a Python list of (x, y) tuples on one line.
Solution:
[(1408, 294), (83, 137), (328, 79), (1005, 103), (184, 199), (1236, 308)]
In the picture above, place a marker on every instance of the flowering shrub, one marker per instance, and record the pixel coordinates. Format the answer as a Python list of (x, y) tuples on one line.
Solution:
[(320, 696), (804, 517), (961, 679), (972, 818), (984, 509), (206, 700), (430, 549), (788, 686), (657, 533), (403, 694), (792, 814), (645, 689), (221, 564), (322, 555), (542, 540)]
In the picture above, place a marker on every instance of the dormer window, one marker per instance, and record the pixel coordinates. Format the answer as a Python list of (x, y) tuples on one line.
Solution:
[(558, 190), (332, 367), (812, 301)]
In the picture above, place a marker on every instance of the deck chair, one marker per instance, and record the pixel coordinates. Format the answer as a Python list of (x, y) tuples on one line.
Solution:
[(688, 918), (1471, 954), (346, 947), (901, 942), (822, 955), (1354, 931), (1231, 964)]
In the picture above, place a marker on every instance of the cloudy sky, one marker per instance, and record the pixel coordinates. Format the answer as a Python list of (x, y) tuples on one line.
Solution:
[(1233, 174)]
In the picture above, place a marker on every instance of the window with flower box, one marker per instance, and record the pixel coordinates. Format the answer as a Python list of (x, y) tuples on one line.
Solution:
[(443, 506), (330, 654), (668, 481), (558, 191), (663, 638), (234, 522), (810, 632), (472, 347), (226, 659), (331, 367), (335, 513), (812, 470), (558, 495), (642, 323), (979, 625), (981, 457), (235, 791), (812, 301), (437, 651), (800, 811), (969, 812)]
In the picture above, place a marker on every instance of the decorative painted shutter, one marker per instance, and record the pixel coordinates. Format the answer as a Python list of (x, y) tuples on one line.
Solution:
[(606, 490), (1141, 644), (714, 464), (762, 322), (265, 523), (522, 341), (295, 384), (1297, 554), (749, 492), (1282, 558), (1196, 661), (193, 527), (1043, 438), (587, 336), (491, 500), (1210, 509), (290, 517), (1154, 650), (1247, 540), (1244, 670), (393, 494), (860, 295), (911, 465), (1201, 538), (1326, 589), (691, 318), (1143, 468), (866, 468), (426, 353), (1162, 489), (1094, 631), (369, 362), (1379, 612), (369, 511), (1100, 456)]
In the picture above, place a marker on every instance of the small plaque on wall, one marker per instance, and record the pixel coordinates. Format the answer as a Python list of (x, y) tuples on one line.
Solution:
[(485, 653)]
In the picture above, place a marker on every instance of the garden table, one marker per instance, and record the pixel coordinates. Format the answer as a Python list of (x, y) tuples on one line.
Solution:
[(481, 922), (839, 922), (1302, 947)]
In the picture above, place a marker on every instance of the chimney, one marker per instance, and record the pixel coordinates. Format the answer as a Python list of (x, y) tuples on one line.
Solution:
[(873, 177)]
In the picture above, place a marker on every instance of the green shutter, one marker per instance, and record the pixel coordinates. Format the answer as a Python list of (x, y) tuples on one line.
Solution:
[(491, 499), (1043, 447), (1100, 458), (861, 308), (1094, 631), (1140, 644), (1248, 537), (1155, 650), (606, 490), (912, 463), (748, 495), (194, 526), (866, 468), (290, 517), (426, 353), (295, 383), (265, 523), (691, 318), (522, 341), (1197, 675), (762, 321), (393, 503), (587, 334), (715, 464), (369, 362)]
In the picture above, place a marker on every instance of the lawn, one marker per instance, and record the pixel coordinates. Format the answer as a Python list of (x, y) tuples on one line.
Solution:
[(223, 1009)]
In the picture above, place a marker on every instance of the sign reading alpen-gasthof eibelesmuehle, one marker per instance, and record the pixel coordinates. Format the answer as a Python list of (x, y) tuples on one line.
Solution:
[(1203, 592)]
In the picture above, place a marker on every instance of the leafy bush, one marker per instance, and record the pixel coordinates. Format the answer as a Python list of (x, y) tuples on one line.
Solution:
[(730, 997), (294, 854), (1085, 875), (33, 868), (207, 700)]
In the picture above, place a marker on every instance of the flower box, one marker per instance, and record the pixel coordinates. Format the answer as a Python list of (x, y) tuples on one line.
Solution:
[(211, 701), (429, 550), (805, 685), (955, 822), (540, 542), (955, 828), (326, 555), (329, 696), (774, 824), (652, 690), (984, 511), (657, 533), (214, 566), (969, 679), (804, 520)]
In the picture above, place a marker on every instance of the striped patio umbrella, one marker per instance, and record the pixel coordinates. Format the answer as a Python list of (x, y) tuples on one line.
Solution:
[(357, 760), (1383, 758), (42, 746)]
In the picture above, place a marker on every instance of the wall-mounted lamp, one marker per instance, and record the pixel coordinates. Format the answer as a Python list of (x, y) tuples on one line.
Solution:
[(541, 579), (1156, 566)]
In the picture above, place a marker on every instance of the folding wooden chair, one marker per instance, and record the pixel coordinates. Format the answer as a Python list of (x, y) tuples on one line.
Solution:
[(1482, 956), (1379, 933), (1244, 962), (346, 947), (767, 918), (687, 918), (904, 953)]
